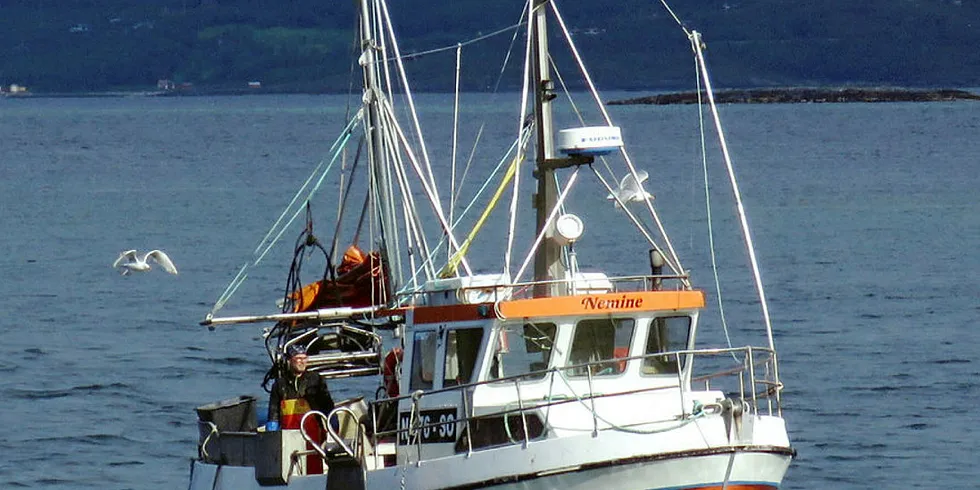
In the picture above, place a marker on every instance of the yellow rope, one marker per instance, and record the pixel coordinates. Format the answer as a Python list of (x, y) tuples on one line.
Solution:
[(450, 269)]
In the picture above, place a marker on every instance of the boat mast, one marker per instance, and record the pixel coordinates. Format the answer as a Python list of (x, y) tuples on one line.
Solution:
[(547, 261), (374, 133)]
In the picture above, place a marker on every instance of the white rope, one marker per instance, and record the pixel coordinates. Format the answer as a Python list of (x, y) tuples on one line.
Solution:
[(673, 260), (419, 54), (452, 176), (411, 105), (496, 87), (674, 16), (204, 445), (383, 49), (522, 115), (427, 189), (413, 236), (381, 20), (695, 414), (412, 217), (523, 142), (547, 225)]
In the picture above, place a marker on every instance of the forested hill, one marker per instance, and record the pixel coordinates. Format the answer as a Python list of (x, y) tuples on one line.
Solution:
[(305, 45)]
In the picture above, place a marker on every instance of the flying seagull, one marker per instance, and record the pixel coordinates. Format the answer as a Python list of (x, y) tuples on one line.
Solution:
[(630, 189), (128, 262)]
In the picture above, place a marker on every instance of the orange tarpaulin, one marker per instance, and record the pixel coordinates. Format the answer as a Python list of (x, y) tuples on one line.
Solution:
[(360, 282)]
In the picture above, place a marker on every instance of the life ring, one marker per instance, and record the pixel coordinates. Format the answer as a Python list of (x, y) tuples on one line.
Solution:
[(390, 370)]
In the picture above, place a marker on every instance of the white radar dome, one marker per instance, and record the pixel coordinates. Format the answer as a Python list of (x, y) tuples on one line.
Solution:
[(594, 140)]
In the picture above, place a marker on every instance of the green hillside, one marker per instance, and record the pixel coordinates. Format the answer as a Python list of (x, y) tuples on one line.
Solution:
[(304, 45)]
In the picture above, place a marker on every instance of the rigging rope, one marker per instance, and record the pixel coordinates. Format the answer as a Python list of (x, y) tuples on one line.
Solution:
[(411, 105), (523, 144), (547, 225), (696, 412), (293, 294), (701, 70), (495, 92), (427, 188), (410, 215), (707, 205), (522, 126), (743, 220), (450, 269), (452, 177), (342, 205), (419, 54), (673, 260), (309, 188), (676, 19), (575, 109)]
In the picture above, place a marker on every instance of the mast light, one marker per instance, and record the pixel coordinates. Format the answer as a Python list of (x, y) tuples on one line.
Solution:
[(568, 229)]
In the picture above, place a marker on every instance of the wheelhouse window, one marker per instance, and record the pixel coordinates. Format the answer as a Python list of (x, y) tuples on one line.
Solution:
[(423, 360), (666, 334), (462, 348), (521, 349), (600, 340)]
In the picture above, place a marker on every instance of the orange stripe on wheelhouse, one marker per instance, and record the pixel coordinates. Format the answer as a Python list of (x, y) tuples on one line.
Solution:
[(579, 305), (452, 313), (591, 304)]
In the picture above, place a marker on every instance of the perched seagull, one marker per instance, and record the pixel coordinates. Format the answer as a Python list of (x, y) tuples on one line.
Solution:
[(128, 262), (630, 190)]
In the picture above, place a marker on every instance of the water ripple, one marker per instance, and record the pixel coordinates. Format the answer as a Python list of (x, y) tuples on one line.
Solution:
[(26, 394)]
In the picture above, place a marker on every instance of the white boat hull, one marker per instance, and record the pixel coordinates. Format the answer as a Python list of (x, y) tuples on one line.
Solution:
[(609, 460), (751, 468)]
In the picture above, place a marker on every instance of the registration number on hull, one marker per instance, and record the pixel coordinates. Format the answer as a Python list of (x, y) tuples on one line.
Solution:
[(436, 425)]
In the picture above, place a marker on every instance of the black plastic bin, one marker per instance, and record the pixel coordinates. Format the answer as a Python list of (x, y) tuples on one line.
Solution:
[(231, 415)]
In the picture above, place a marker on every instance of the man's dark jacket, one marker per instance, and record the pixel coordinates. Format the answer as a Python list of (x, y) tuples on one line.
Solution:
[(308, 385)]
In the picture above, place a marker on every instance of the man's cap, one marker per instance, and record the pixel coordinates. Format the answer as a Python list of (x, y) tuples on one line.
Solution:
[(295, 350)]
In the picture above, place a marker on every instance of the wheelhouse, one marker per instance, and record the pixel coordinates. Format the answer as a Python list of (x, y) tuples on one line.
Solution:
[(484, 374)]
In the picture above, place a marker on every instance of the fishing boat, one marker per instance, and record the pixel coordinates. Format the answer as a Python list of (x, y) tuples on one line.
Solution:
[(533, 368)]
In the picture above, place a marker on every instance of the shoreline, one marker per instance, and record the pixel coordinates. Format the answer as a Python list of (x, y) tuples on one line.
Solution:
[(806, 96)]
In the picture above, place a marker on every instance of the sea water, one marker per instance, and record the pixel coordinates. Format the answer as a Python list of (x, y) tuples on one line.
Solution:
[(865, 218)]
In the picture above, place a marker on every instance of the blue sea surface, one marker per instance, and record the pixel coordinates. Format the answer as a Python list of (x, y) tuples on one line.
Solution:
[(866, 219)]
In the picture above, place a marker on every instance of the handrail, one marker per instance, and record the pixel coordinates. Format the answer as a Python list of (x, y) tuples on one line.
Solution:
[(319, 447), (306, 437), (336, 437)]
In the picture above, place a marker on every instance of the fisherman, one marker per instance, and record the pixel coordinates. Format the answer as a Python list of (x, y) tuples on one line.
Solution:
[(297, 392)]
